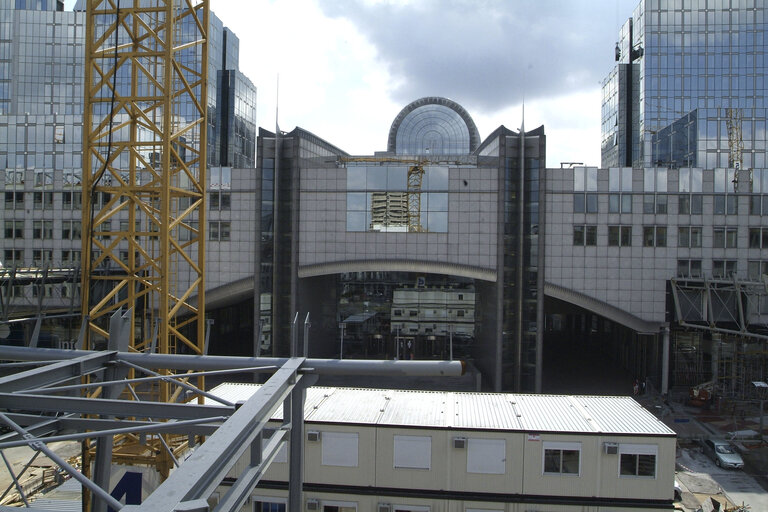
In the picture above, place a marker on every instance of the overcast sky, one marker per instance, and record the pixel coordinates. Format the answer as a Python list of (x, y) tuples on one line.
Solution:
[(347, 67)]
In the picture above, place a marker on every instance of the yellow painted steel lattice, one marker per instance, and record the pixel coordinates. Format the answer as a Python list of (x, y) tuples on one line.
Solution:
[(144, 155)]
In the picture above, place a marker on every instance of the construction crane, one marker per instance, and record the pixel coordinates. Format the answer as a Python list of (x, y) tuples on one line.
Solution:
[(144, 162)]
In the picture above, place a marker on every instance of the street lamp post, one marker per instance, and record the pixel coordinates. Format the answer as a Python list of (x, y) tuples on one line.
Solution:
[(342, 326)]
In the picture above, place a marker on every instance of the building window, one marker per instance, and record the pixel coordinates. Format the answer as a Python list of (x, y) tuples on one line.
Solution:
[(758, 201), (219, 201), (620, 190), (562, 458), (72, 200), (13, 257), (14, 200), (758, 238), (723, 268), (70, 256), (725, 199), (14, 229), (637, 460), (41, 256), (339, 506), (269, 506), (412, 452), (689, 186), (339, 449), (42, 200), (724, 238), (756, 269), (220, 178), (655, 188), (487, 456), (42, 229), (585, 189), (71, 230), (689, 236), (620, 236), (654, 236), (219, 231), (585, 235), (689, 268)]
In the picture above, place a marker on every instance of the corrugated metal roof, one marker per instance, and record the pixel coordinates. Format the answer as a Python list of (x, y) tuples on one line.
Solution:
[(416, 409), (621, 414), (349, 406), (551, 413), (482, 411)]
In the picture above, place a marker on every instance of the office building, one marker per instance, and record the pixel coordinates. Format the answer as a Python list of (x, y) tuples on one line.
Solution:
[(688, 87), (41, 143), (662, 269), (438, 213)]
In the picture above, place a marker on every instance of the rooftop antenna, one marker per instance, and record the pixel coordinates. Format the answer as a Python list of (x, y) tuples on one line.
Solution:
[(277, 105)]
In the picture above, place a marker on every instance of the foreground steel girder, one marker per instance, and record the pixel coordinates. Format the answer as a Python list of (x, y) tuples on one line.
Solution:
[(233, 430), (190, 362)]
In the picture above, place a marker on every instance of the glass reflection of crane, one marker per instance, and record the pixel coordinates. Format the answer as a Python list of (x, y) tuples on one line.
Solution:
[(415, 176)]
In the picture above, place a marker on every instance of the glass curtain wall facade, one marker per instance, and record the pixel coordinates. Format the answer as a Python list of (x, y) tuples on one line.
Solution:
[(41, 102), (380, 236), (699, 96), (523, 157)]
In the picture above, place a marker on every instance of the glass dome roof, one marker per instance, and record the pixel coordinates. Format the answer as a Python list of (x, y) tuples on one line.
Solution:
[(435, 126)]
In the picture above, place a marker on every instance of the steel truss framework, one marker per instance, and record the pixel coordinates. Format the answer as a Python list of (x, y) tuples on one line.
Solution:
[(41, 285), (724, 306), (733, 313), (47, 388)]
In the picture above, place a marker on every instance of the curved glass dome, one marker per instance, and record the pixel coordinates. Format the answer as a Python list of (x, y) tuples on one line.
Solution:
[(434, 126)]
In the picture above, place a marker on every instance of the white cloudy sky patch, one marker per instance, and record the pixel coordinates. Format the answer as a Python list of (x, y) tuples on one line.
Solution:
[(347, 67)]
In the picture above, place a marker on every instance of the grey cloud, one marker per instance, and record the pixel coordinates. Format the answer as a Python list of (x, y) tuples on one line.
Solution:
[(490, 54)]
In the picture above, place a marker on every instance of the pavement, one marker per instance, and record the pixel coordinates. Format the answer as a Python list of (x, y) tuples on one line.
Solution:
[(699, 479)]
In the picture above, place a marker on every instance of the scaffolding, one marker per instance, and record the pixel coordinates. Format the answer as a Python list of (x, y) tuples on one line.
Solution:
[(721, 335)]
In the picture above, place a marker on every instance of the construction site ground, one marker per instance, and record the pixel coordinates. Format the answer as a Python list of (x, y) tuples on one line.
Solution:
[(699, 479)]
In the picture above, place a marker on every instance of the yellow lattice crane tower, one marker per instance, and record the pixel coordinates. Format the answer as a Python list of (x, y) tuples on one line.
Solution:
[(144, 167)]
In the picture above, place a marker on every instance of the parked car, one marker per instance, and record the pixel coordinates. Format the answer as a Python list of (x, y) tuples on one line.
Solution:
[(723, 453)]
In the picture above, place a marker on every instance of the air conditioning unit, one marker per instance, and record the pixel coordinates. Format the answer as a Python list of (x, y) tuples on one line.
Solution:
[(460, 442), (384, 507), (313, 436), (313, 504), (611, 448)]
